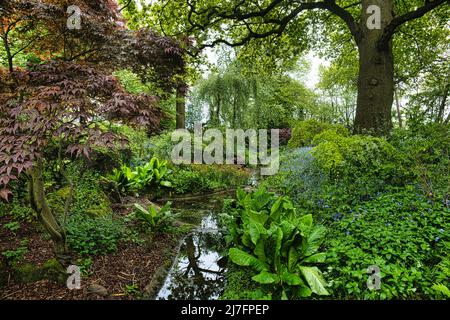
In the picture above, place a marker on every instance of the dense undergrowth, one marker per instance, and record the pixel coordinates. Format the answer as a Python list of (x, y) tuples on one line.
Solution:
[(340, 204), (384, 203)]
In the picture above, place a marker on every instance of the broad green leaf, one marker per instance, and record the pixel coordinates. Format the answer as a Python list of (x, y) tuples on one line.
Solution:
[(244, 259), (275, 211), (287, 228), (246, 239), (266, 277), (292, 258), (256, 216), (291, 279), (240, 194), (287, 204), (314, 278), (305, 223), (312, 243), (316, 258), (255, 229), (260, 250), (166, 183), (261, 198), (304, 292), (277, 253), (141, 208)]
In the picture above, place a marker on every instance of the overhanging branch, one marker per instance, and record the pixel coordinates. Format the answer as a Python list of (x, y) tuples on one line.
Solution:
[(214, 16), (398, 21)]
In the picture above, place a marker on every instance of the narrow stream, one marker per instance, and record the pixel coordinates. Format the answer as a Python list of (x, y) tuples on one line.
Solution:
[(198, 272)]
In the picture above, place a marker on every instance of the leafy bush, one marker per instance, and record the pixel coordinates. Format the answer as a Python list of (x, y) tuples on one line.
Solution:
[(304, 132), (92, 236), (152, 174), (443, 266), (12, 226), (402, 233), (198, 178), (361, 164), (277, 244), (18, 209), (88, 197), (14, 257), (161, 146), (299, 176), (154, 219), (427, 155)]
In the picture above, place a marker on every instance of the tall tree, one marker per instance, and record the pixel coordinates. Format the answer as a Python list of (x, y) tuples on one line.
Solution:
[(371, 23), (137, 19), (67, 95)]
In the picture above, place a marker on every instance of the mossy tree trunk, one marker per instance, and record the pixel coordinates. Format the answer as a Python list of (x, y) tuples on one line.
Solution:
[(40, 205)]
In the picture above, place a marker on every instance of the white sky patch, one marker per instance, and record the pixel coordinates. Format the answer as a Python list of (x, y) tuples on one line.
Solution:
[(313, 77)]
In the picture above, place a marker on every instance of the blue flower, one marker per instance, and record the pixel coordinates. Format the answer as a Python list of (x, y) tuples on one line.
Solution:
[(437, 239), (441, 230)]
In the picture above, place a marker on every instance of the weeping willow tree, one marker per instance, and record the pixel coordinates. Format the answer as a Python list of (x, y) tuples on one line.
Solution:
[(236, 99), (226, 94)]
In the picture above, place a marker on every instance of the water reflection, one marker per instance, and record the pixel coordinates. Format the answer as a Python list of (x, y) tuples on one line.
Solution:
[(199, 270)]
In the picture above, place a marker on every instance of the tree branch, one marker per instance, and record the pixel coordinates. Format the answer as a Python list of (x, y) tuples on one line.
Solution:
[(125, 6), (346, 17), (281, 24), (398, 21)]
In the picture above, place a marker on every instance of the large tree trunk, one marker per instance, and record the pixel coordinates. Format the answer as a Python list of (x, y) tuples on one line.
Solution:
[(376, 75), (181, 109), (39, 204)]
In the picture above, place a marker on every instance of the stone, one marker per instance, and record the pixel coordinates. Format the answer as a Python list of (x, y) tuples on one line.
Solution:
[(98, 289)]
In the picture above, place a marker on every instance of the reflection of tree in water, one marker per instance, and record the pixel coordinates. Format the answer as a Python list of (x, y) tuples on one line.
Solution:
[(200, 273)]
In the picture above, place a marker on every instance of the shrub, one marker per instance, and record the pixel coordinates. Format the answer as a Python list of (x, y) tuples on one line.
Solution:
[(88, 197), (92, 236), (427, 154), (277, 244), (200, 178), (14, 257), (304, 132), (299, 176), (154, 219), (361, 164), (151, 175)]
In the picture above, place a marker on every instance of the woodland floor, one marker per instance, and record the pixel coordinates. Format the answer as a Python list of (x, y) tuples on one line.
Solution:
[(132, 264)]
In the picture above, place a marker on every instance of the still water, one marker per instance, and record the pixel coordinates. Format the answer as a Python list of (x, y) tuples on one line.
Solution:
[(198, 272)]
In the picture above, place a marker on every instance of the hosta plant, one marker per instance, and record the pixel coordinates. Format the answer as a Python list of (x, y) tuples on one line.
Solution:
[(153, 218), (151, 175), (280, 246)]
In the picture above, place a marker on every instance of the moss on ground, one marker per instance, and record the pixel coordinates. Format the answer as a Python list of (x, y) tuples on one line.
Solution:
[(240, 285), (50, 270)]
